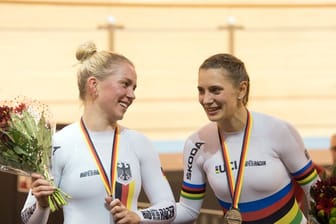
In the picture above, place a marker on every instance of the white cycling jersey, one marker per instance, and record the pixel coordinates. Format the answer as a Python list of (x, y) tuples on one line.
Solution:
[(76, 173), (276, 155)]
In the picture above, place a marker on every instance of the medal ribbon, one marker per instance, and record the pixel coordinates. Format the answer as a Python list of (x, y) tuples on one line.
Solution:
[(235, 188), (109, 186)]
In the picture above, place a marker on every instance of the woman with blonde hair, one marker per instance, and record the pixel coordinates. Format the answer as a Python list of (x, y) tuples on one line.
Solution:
[(101, 164)]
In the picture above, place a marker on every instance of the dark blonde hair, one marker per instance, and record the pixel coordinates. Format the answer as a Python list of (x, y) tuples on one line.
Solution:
[(98, 64), (231, 64)]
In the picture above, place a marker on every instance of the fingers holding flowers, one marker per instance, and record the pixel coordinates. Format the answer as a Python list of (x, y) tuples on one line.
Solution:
[(41, 186), (41, 189)]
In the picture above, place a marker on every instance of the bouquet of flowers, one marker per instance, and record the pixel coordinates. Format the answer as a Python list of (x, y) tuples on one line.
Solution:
[(323, 204), (26, 142)]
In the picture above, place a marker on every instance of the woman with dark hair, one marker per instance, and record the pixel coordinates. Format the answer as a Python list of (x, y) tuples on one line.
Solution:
[(248, 158)]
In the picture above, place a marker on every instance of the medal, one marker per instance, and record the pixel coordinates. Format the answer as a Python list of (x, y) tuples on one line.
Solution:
[(233, 216)]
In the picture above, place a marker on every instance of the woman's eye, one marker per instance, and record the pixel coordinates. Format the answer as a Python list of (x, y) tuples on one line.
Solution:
[(124, 84), (215, 90), (200, 91)]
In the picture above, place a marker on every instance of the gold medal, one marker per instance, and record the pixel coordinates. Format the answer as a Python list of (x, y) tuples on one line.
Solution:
[(233, 216)]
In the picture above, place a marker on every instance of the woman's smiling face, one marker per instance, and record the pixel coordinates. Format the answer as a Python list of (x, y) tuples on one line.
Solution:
[(116, 92), (217, 94)]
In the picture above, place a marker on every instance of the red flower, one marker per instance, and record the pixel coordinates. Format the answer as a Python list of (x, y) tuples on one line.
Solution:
[(21, 107), (323, 194), (325, 204), (5, 116), (4, 122)]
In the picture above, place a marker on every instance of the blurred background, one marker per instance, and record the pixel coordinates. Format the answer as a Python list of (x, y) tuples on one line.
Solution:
[(288, 47)]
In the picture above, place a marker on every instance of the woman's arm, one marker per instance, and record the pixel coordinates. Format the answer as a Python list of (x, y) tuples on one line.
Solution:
[(156, 187), (36, 208), (193, 186)]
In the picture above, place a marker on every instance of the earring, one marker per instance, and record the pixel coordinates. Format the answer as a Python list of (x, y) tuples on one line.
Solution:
[(239, 97)]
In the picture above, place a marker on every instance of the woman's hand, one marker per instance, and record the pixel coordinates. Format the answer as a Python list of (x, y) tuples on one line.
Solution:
[(120, 213), (41, 189)]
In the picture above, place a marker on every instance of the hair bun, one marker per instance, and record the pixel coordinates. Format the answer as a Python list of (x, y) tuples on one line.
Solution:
[(85, 51)]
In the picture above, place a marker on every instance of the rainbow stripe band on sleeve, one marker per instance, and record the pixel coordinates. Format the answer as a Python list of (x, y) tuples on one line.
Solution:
[(193, 191), (305, 175)]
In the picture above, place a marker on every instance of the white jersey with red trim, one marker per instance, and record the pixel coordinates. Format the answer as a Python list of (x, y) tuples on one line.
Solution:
[(76, 173), (276, 155)]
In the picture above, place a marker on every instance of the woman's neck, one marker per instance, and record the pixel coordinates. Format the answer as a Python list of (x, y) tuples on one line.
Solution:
[(97, 122), (235, 123)]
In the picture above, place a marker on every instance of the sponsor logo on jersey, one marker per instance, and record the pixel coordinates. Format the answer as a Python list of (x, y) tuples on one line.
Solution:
[(234, 165), (191, 157), (123, 170), (88, 173), (159, 214)]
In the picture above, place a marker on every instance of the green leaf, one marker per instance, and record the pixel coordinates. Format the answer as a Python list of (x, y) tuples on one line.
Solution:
[(20, 151), (18, 125)]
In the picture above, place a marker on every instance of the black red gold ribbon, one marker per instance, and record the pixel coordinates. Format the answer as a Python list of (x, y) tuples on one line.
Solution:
[(235, 188), (109, 185)]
